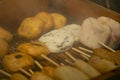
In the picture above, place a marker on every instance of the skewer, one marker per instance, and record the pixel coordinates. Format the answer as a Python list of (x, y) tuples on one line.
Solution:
[(70, 56), (5, 73), (25, 72), (107, 47), (84, 49), (38, 64), (85, 55), (62, 64), (69, 62), (50, 60), (31, 71)]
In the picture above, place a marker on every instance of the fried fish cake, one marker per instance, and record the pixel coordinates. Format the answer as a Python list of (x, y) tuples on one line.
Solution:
[(59, 20), (31, 28), (48, 19), (14, 61), (33, 48)]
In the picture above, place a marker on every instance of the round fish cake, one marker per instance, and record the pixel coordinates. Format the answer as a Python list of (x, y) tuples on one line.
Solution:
[(59, 19), (13, 62), (31, 28), (48, 19), (34, 49), (57, 40), (3, 47)]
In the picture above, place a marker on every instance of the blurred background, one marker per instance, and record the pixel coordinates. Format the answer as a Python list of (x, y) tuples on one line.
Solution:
[(111, 4)]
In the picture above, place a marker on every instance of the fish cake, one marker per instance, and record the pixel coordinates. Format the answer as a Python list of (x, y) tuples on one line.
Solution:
[(14, 61), (59, 20), (40, 76), (31, 28), (48, 19), (33, 48)]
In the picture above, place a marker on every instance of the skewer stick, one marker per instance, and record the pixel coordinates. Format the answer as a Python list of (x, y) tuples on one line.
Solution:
[(81, 52), (50, 60), (31, 71), (38, 64), (62, 64), (107, 47), (5, 73), (25, 72), (69, 62), (70, 56), (84, 49)]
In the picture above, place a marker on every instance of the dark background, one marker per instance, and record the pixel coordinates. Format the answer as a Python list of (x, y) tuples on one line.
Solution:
[(112, 4)]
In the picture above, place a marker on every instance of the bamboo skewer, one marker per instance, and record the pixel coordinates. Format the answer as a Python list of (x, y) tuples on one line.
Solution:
[(38, 64), (69, 62), (84, 49), (50, 60), (107, 47), (62, 64), (25, 72), (85, 55), (79, 51), (31, 71), (5, 73), (70, 56)]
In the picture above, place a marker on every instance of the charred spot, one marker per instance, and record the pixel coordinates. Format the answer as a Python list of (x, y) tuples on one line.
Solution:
[(18, 56)]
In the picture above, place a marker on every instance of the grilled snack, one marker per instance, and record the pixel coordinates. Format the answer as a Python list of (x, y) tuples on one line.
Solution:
[(48, 71), (59, 19), (102, 65), (34, 49), (40, 76), (18, 76), (3, 47), (87, 68), (69, 73), (103, 53), (31, 28), (48, 19), (5, 35), (13, 62)]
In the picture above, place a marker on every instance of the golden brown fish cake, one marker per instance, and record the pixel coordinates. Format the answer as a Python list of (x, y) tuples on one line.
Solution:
[(18, 76), (48, 19), (31, 28), (14, 61), (106, 54), (59, 20), (34, 49), (48, 71)]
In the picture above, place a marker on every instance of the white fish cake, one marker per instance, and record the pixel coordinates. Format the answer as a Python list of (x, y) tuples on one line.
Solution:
[(74, 29), (115, 30), (57, 40), (92, 32)]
